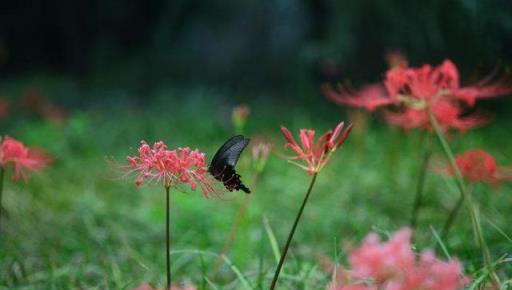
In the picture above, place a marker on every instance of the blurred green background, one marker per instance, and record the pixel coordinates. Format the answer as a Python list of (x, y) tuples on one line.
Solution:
[(87, 80), (252, 45)]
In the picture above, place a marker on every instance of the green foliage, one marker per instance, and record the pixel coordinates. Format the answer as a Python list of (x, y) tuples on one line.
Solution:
[(81, 225)]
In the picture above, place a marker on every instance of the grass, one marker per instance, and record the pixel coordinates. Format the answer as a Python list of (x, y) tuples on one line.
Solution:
[(79, 225)]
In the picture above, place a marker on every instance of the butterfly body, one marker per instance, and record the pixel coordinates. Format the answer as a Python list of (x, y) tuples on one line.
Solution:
[(222, 166)]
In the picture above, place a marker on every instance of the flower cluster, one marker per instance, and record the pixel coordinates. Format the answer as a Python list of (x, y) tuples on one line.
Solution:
[(409, 93), (393, 265), (170, 167), (479, 165), (316, 154), (15, 154)]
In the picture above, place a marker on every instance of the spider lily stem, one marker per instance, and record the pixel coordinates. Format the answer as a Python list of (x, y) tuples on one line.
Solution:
[(168, 237), (468, 199), (292, 232), (418, 201), (453, 215)]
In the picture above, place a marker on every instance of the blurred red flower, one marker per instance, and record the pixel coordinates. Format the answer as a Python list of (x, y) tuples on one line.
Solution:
[(449, 116), (21, 158), (171, 167), (370, 97), (316, 154), (393, 265), (412, 91), (479, 165)]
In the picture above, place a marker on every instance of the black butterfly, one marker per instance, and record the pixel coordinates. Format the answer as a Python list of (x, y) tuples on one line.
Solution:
[(223, 163)]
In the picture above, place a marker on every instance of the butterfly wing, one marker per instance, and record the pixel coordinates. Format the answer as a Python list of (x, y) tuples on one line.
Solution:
[(228, 154), (222, 166)]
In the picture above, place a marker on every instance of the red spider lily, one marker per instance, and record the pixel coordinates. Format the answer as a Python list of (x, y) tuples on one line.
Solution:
[(316, 154), (170, 167), (425, 82), (370, 97), (411, 91), (21, 158), (393, 265), (447, 114), (479, 165), (414, 84)]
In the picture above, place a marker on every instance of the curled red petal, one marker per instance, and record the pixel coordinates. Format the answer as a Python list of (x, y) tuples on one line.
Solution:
[(370, 97), (335, 134), (344, 136)]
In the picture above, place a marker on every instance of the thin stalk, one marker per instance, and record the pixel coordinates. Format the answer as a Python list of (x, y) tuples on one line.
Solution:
[(453, 215), (418, 200), (1, 190), (292, 232), (168, 236), (473, 211), (234, 228)]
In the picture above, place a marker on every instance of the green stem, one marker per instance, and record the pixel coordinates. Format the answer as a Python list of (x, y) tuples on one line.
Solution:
[(168, 236), (452, 216), (473, 211), (418, 200), (292, 232)]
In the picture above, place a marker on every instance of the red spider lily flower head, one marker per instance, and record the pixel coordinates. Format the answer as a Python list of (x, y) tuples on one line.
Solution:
[(448, 115), (393, 265), (488, 87), (479, 165), (370, 97), (171, 167), (440, 82), (21, 158), (421, 83), (381, 261), (409, 93), (316, 154)]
